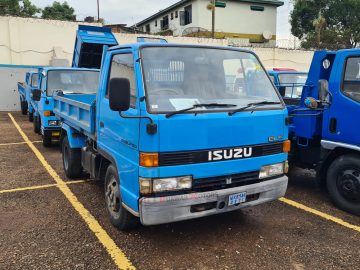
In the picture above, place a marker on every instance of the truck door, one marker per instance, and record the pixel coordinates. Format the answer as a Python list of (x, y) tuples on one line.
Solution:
[(341, 120), (119, 136)]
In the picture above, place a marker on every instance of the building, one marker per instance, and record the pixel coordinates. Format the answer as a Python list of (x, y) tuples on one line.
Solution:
[(244, 19)]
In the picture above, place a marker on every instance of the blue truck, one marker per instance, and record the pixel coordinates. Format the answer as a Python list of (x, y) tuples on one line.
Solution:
[(324, 126), (52, 82), (82, 78), (25, 89), (171, 139)]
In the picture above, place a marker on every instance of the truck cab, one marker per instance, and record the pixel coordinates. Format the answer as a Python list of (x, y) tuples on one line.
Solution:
[(173, 138), (325, 136), (55, 81), (25, 92)]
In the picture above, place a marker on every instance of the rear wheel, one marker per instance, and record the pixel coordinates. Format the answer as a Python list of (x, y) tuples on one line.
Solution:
[(31, 117), (343, 182), (71, 159), (37, 124), (118, 215)]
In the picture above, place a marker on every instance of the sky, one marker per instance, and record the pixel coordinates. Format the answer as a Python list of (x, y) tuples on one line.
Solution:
[(132, 11)]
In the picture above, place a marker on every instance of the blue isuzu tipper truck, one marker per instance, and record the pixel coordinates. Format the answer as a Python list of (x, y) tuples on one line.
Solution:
[(172, 135), (25, 89), (52, 82), (324, 128)]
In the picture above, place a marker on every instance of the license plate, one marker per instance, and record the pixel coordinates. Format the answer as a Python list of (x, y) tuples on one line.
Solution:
[(55, 134), (237, 198)]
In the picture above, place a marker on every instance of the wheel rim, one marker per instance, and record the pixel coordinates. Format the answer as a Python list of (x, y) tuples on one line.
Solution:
[(66, 157), (348, 183), (112, 196)]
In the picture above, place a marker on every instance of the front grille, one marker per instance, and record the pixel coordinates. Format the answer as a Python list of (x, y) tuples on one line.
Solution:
[(202, 156), (222, 182)]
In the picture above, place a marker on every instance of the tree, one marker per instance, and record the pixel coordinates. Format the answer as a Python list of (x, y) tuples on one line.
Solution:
[(59, 11), (330, 24), (23, 8)]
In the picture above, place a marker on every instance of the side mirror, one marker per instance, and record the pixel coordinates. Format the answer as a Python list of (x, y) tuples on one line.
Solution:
[(282, 90), (311, 103), (323, 90), (119, 94), (36, 94)]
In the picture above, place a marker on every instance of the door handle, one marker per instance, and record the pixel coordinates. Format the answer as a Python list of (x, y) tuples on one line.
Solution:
[(333, 125), (102, 124)]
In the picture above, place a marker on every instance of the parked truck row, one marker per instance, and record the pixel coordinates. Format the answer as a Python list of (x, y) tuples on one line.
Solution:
[(184, 131)]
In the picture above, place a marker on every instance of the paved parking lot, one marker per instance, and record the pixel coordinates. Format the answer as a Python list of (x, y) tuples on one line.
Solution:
[(50, 222)]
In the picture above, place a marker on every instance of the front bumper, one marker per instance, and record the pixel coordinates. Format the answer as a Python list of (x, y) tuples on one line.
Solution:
[(53, 132), (169, 209)]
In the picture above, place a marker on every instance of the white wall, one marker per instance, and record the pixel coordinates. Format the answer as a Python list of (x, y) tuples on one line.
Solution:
[(41, 42)]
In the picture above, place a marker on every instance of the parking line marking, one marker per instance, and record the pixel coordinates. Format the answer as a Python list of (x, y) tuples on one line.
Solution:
[(320, 214), (17, 143), (41, 187), (117, 255)]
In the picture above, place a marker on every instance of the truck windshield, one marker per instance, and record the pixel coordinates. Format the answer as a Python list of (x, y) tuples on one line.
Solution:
[(72, 81), (177, 78), (294, 83)]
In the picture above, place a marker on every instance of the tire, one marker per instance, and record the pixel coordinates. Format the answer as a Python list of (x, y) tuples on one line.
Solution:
[(24, 107), (37, 124), (71, 160), (31, 117), (46, 141), (343, 183), (119, 216)]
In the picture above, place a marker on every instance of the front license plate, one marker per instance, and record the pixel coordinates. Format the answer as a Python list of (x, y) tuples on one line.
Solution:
[(237, 198), (55, 134)]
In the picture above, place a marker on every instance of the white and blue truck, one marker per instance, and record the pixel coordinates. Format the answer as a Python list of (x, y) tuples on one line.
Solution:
[(173, 137)]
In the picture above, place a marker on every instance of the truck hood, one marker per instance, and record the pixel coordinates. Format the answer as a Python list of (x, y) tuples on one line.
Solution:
[(188, 132)]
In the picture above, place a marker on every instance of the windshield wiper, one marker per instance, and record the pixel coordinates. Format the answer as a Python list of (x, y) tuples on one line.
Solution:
[(215, 105), (252, 105)]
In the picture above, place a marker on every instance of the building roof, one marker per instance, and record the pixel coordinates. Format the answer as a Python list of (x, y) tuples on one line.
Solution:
[(276, 3)]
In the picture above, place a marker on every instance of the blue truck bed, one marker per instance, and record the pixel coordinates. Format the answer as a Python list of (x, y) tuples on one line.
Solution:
[(77, 111)]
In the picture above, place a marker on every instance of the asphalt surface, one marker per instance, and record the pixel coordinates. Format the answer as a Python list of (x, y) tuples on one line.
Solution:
[(39, 228)]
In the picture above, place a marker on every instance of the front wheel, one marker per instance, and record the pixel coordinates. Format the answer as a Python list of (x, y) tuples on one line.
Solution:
[(71, 160), (24, 107), (37, 124), (343, 183), (31, 117), (118, 215)]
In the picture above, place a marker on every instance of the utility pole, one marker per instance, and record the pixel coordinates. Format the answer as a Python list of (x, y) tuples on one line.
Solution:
[(98, 10), (213, 2)]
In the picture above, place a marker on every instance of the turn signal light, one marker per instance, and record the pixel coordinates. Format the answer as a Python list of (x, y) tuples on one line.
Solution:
[(47, 113), (286, 146), (149, 159)]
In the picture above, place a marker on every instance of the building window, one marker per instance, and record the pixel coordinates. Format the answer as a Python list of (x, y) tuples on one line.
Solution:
[(257, 8), (165, 23), (147, 27), (186, 15), (172, 15), (122, 66), (155, 23), (176, 14)]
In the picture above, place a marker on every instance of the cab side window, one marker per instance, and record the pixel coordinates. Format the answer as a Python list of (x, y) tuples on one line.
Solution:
[(35, 80), (351, 81), (122, 66)]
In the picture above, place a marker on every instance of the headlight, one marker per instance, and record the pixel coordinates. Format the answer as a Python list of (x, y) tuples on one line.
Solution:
[(148, 185), (53, 123), (272, 170)]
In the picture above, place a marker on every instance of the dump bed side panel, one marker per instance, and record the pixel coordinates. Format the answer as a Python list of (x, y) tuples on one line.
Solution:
[(77, 111)]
